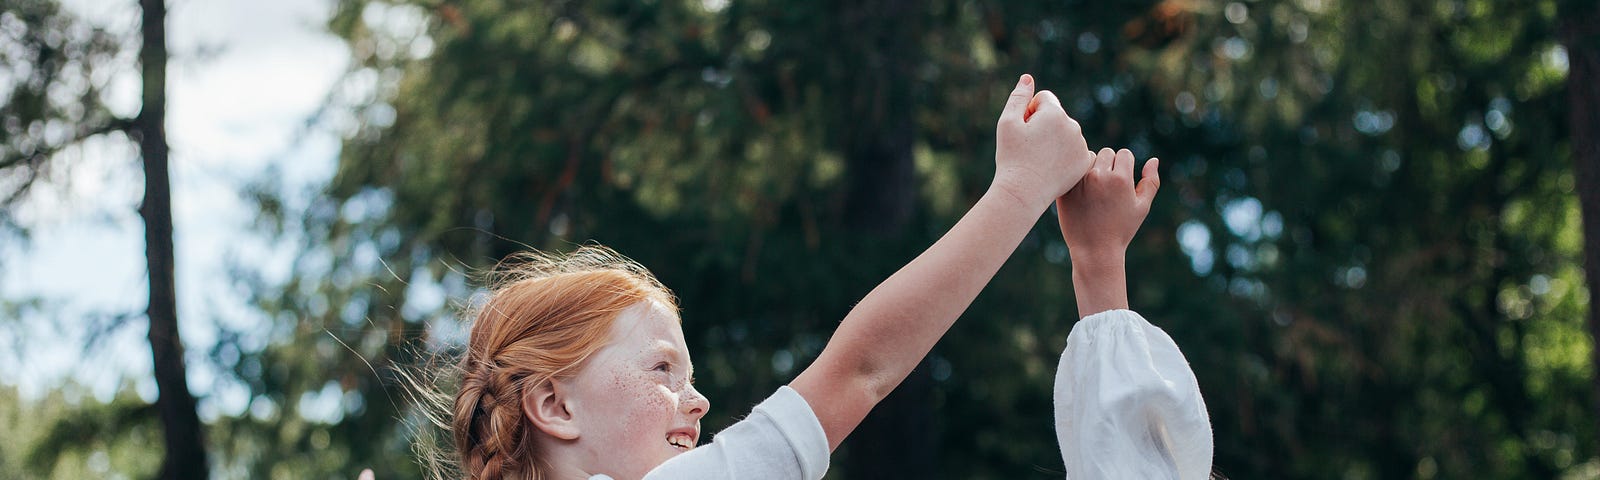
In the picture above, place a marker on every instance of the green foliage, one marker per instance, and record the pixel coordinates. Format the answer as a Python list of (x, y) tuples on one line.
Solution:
[(1405, 149), (69, 434), (55, 67)]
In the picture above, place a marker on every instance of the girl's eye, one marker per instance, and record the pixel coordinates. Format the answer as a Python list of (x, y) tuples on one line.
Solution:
[(663, 367)]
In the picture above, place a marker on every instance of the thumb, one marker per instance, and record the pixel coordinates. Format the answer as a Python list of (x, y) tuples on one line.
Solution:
[(1149, 182), (1017, 103)]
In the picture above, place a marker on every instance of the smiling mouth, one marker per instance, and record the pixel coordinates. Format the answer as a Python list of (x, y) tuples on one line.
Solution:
[(681, 441)]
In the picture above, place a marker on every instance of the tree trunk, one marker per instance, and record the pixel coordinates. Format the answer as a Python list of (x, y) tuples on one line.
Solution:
[(1580, 32), (185, 456), (880, 45)]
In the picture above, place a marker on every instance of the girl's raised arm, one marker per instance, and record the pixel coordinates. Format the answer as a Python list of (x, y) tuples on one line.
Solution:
[(1040, 153)]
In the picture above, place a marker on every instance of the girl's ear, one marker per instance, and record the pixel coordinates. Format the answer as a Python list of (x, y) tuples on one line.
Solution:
[(547, 406)]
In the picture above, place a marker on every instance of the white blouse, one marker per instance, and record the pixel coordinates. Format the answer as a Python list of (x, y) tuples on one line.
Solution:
[(781, 439), (1127, 405)]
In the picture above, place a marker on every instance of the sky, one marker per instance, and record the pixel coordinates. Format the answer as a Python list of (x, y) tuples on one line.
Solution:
[(244, 79)]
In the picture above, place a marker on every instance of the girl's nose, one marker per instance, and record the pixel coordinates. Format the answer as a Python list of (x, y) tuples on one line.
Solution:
[(694, 404)]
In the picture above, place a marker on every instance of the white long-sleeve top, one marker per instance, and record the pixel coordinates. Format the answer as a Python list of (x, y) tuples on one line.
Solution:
[(1126, 407), (781, 439), (1127, 404)]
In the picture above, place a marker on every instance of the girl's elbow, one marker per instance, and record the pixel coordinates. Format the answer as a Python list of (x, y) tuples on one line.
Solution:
[(861, 380)]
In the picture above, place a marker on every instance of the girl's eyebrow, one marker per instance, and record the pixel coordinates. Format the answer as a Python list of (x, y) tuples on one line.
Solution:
[(675, 354)]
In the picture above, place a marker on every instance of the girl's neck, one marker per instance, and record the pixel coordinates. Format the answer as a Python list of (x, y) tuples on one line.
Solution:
[(563, 460)]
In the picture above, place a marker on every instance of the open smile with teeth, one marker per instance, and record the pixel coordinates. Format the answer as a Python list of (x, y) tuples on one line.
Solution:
[(681, 441)]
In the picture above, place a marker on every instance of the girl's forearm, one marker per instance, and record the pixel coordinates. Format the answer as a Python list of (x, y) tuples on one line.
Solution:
[(884, 337)]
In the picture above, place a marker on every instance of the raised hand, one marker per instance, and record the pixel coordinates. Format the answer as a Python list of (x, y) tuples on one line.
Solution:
[(1040, 152), (1101, 214), (892, 329), (1098, 220)]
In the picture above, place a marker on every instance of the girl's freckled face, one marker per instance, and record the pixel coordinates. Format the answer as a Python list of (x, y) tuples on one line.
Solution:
[(635, 393)]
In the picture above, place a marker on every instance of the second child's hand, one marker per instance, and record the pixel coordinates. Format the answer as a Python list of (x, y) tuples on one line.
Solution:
[(1099, 217)]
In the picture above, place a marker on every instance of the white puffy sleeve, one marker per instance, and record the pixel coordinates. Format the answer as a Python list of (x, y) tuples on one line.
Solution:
[(1127, 404)]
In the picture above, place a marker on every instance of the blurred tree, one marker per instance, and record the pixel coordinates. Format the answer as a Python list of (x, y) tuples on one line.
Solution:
[(1580, 33), (185, 452), (55, 66), (68, 433), (1393, 217)]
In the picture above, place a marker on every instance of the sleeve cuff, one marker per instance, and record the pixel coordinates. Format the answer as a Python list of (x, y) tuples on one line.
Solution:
[(800, 426)]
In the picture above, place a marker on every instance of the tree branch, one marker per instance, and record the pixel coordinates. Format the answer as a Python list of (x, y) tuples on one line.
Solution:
[(35, 156)]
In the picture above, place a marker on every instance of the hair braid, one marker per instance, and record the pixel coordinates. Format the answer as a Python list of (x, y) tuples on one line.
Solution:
[(490, 433)]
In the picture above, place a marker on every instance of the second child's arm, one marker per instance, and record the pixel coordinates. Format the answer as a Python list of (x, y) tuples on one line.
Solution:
[(895, 325), (1098, 220), (1125, 398)]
